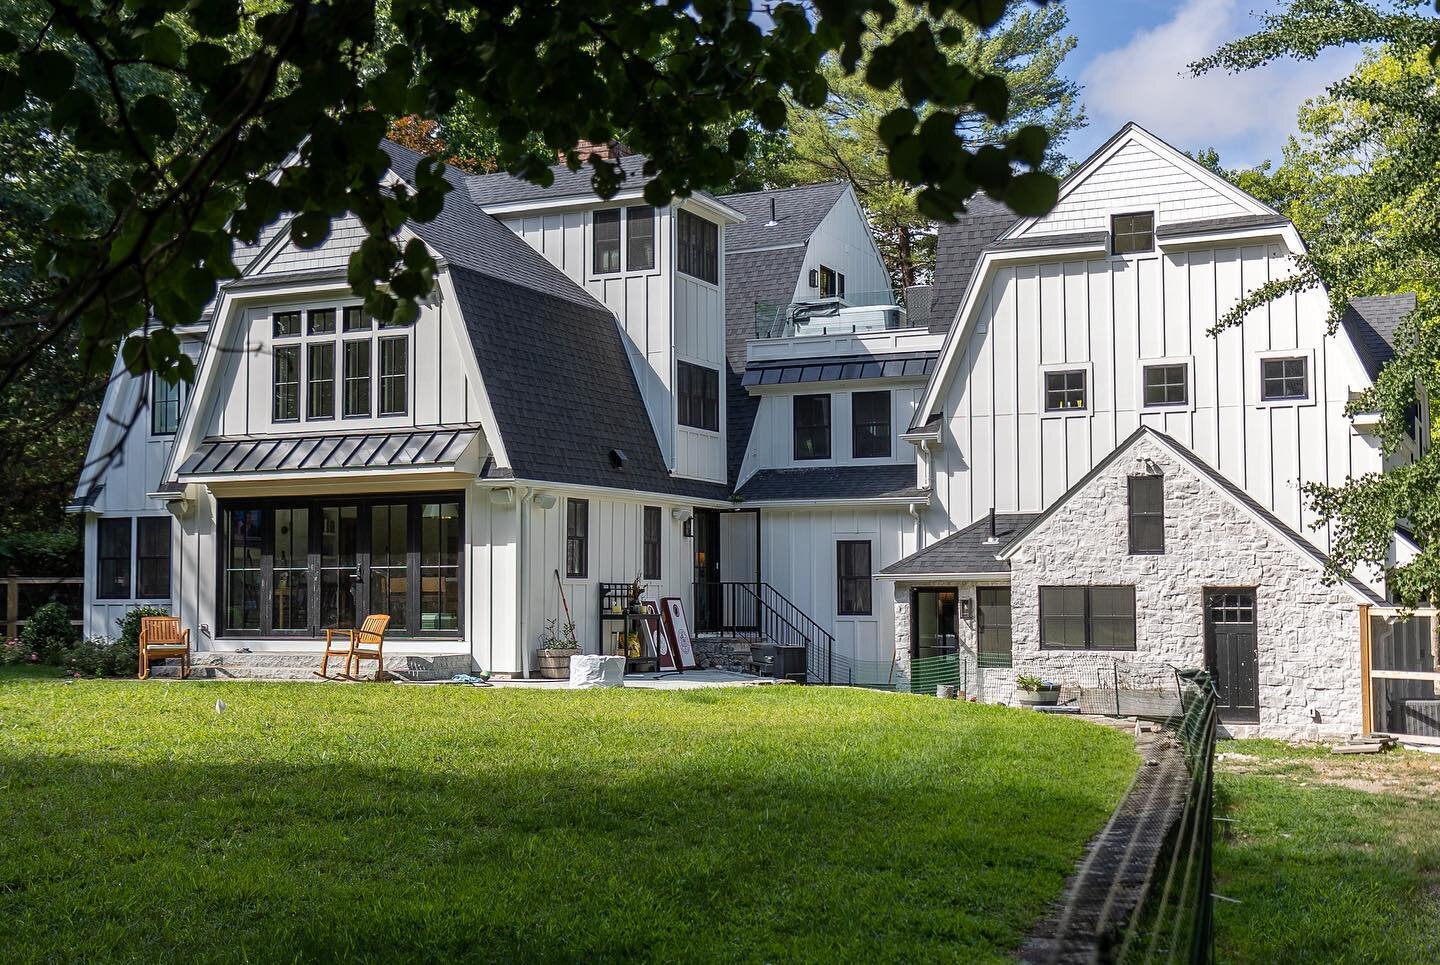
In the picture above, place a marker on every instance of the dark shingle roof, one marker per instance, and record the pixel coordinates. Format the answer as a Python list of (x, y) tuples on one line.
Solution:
[(957, 249), (1050, 241), (798, 212), (496, 189), (968, 551), (914, 365), (832, 482), (1370, 322), (1234, 222)]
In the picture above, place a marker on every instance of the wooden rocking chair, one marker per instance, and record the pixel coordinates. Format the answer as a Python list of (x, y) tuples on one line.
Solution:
[(160, 639), (365, 642)]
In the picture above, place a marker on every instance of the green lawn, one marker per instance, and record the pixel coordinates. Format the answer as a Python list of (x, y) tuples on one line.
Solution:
[(1331, 858), (386, 822)]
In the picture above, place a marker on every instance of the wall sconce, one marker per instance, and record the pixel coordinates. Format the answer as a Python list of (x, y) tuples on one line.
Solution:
[(681, 515), (544, 501), (689, 528), (965, 608)]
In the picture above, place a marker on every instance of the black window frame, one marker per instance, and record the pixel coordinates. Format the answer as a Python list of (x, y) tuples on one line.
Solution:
[(1285, 378), (1145, 509), (697, 396), (383, 343), (1065, 390), (1127, 230), (812, 431), (346, 378), (1080, 613), (640, 214), (651, 546), (285, 324), (150, 564), (577, 538), (285, 407), (320, 321), (123, 567), (832, 282), (315, 391), (613, 248), (354, 319), (883, 425), (166, 404), (1166, 385), (854, 588), (697, 247)]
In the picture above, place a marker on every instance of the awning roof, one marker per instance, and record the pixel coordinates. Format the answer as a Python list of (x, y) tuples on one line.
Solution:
[(790, 371), (432, 447)]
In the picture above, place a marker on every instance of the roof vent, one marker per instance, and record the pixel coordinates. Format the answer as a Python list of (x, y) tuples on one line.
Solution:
[(772, 222), (617, 459), (993, 539)]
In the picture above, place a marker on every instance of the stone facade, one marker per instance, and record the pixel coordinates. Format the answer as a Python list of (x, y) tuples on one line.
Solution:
[(1308, 631)]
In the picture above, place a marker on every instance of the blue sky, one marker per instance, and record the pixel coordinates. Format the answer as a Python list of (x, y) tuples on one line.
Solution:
[(1131, 55)]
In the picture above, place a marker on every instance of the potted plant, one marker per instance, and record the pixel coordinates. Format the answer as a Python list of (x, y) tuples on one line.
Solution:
[(637, 590), (557, 646), (1033, 691)]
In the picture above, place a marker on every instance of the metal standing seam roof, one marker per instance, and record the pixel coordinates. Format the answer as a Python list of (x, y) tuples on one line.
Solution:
[(424, 447), (790, 371)]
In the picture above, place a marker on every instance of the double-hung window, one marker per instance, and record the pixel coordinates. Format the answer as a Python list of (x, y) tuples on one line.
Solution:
[(1147, 514), (605, 226), (650, 544), (152, 557), (697, 244), (164, 405), (812, 426), (1087, 618), (870, 415), (577, 539), (639, 238), (394, 374), (697, 396), (320, 380), (852, 566), (112, 558), (287, 383), (1284, 378), (357, 377)]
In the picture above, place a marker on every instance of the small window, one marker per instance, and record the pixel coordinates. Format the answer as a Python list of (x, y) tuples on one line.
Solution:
[(853, 568), (394, 375), (650, 548), (1132, 233), (1284, 378), (577, 539), (812, 427), (870, 413), (357, 378), (639, 238), (322, 321), (697, 391), (287, 383), (112, 559), (605, 239), (152, 557), (164, 406), (320, 380), (832, 283), (1167, 385), (1087, 618), (1065, 391), (356, 320), (1147, 514), (286, 324), (697, 245)]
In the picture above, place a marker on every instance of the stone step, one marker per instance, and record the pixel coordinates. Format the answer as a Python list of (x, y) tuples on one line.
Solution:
[(273, 665)]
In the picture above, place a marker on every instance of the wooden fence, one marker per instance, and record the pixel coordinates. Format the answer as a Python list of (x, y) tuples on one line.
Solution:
[(23, 595)]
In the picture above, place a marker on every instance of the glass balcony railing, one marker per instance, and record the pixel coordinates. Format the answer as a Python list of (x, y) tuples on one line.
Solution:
[(853, 313)]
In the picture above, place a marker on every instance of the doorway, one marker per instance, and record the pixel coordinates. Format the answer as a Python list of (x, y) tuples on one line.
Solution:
[(708, 589), (933, 627), (1232, 652)]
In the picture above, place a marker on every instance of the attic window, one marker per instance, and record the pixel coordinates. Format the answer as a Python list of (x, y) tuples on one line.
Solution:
[(1132, 233)]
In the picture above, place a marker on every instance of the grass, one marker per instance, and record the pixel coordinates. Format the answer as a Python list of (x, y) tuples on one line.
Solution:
[(394, 823), (1332, 859)]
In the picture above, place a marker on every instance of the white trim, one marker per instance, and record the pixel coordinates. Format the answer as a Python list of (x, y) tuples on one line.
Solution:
[(1147, 205), (804, 503), (631, 495), (1142, 364), (716, 208), (1043, 370), (1253, 380), (745, 251), (991, 576), (1218, 237)]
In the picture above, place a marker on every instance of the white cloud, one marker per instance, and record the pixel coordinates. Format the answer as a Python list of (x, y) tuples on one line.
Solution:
[(1246, 116)]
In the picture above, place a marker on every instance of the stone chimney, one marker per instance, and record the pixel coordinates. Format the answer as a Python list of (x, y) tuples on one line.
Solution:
[(609, 151)]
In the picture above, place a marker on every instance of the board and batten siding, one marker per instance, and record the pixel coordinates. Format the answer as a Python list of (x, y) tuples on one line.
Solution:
[(772, 442), (1109, 316), (842, 241), (698, 310)]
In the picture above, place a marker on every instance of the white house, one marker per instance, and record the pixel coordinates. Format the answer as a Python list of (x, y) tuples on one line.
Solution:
[(1047, 465)]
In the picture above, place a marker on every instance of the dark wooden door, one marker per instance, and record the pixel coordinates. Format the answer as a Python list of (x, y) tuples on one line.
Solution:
[(708, 591), (1232, 652)]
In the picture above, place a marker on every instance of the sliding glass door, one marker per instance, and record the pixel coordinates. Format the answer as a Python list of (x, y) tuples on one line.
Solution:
[(298, 567)]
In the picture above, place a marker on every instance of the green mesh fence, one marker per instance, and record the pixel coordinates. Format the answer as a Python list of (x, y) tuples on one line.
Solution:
[(925, 673)]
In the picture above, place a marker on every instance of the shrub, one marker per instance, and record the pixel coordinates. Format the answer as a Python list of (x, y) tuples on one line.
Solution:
[(49, 633), (125, 654), (13, 651)]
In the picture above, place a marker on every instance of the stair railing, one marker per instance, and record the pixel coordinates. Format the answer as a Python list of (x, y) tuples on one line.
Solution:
[(756, 611)]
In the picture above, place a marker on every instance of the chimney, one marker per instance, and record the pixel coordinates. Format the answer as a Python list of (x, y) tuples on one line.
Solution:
[(608, 151), (772, 222)]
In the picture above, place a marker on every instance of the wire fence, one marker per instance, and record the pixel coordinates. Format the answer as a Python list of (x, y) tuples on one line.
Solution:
[(925, 673)]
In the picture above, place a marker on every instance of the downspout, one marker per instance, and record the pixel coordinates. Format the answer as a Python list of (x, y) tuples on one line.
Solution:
[(522, 527)]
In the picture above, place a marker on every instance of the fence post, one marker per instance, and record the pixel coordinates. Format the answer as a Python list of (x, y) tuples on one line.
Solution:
[(1115, 680), (12, 608)]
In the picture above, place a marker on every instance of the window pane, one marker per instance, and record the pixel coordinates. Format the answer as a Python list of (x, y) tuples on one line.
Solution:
[(812, 426), (389, 564), (1284, 378), (1132, 233), (871, 415), (605, 228), (853, 570), (322, 321), (394, 368), (164, 406), (357, 378), (1065, 390), (287, 383), (1062, 617), (286, 324), (290, 569), (640, 238), (152, 557), (992, 623), (439, 566), (697, 390), (242, 569), (1166, 385), (356, 320), (1112, 617), (697, 247), (112, 579), (577, 538), (651, 543), (320, 378), (339, 565)]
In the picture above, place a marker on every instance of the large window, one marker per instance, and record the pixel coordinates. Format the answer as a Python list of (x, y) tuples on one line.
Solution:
[(1087, 618), (697, 246), (577, 539), (297, 567), (697, 396), (605, 229), (1167, 385), (394, 375), (637, 241), (1284, 378), (357, 377), (164, 406), (1147, 514), (870, 414), (852, 566), (152, 557), (812, 426), (1132, 233), (650, 544), (1065, 391), (320, 380), (639, 238), (112, 559), (287, 383)]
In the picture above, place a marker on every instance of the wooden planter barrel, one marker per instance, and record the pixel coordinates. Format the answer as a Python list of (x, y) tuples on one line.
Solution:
[(554, 664)]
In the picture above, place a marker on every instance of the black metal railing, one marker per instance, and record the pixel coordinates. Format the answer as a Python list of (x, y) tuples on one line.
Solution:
[(757, 611)]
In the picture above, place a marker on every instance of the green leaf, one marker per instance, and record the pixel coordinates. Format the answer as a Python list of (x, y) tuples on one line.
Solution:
[(153, 115), (9, 43), (12, 91), (896, 124), (48, 73), (1030, 143), (309, 230), (1032, 194), (991, 97), (162, 44)]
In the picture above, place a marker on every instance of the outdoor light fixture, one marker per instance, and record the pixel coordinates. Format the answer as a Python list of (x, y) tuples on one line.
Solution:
[(544, 500), (689, 528), (964, 608)]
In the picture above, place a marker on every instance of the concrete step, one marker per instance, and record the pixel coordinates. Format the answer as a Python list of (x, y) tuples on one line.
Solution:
[(273, 665)]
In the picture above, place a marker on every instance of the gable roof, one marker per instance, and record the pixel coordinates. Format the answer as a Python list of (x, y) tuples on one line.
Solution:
[(502, 188), (798, 212), (965, 552), (957, 251), (1217, 479), (1371, 322)]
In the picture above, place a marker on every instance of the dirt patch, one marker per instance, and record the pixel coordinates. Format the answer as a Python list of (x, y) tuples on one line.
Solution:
[(1408, 774)]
